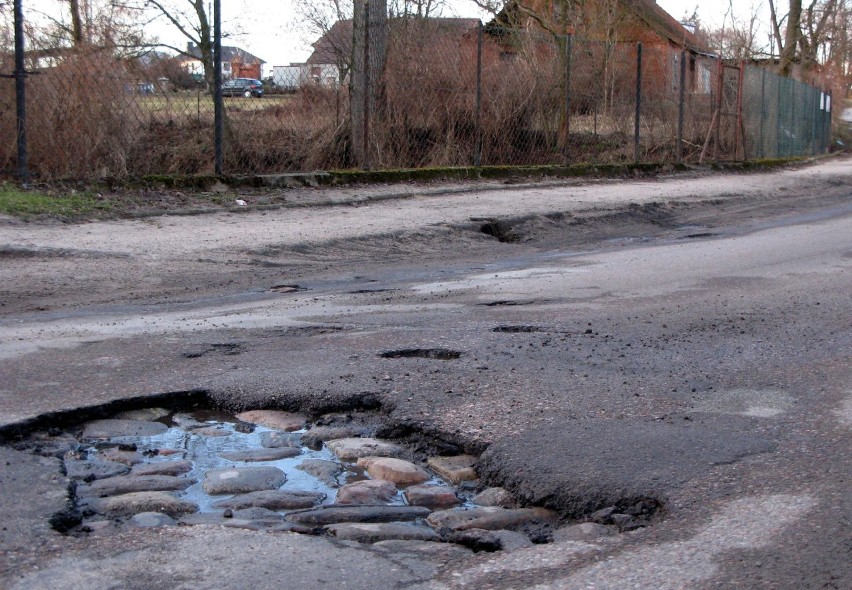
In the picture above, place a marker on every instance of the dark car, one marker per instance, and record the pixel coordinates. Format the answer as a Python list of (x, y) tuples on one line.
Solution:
[(243, 87)]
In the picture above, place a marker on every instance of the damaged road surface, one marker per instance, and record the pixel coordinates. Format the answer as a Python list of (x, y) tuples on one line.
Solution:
[(641, 384)]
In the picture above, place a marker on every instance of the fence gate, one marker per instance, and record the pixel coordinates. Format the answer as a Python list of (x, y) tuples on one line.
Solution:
[(725, 137)]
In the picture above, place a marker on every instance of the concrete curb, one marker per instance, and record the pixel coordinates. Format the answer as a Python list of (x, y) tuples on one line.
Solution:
[(340, 178)]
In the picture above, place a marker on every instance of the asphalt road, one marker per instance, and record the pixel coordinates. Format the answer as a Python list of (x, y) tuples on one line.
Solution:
[(685, 340)]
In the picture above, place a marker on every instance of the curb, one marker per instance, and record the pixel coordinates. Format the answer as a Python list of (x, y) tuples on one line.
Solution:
[(352, 177)]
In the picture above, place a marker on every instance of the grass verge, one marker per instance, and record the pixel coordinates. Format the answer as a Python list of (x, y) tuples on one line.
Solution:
[(26, 204)]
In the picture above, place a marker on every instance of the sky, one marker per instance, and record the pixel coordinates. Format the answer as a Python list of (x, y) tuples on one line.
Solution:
[(271, 30)]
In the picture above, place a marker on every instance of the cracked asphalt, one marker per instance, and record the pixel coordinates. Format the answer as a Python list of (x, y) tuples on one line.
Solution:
[(683, 338)]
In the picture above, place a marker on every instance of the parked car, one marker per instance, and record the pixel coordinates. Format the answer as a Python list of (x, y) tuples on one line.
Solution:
[(243, 87)]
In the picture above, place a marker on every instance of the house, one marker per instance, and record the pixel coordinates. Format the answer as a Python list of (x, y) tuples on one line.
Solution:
[(236, 62), (329, 63), (620, 21)]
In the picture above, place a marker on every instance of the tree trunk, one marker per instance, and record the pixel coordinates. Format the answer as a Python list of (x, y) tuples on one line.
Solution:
[(205, 42), (77, 36), (366, 83), (791, 38)]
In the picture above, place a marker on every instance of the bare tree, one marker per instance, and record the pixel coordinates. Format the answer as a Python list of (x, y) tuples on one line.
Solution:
[(805, 31), (98, 24), (739, 37)]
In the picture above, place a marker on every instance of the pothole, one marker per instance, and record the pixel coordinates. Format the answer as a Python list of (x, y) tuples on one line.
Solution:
[(500, 230), (224, 348), (441, 354), (513, 302), (698, 236), (274, 471), (286, 288), (517, 329)]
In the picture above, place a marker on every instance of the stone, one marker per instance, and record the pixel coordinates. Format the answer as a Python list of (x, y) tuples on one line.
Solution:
[(277, 440), (377, 532), (145, 520), (371, 491), (512, 540), (107, 429), (444, 552), (604, 515), (432, 496), (53, 445), (272, 500), (489, 518), (255, 455), (212, 431), (398, 471), (325, 515), (274, 419), (254, 518), (169, 452), (325, 471), (454, 469), (586, 531), (125, 484), (162, 468), (78, 469), (240, 480), (187, 422), (130, 504), (475, 539), (147, 414), (317, 435), (483, 540), (495, 497), (125, 457), (350, 449), (626, 522)]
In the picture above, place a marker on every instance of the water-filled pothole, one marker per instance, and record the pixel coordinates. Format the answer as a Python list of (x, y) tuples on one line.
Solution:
[(274, 471)]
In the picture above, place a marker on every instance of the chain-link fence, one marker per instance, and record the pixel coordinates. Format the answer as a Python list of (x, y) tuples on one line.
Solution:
[(452, 92)]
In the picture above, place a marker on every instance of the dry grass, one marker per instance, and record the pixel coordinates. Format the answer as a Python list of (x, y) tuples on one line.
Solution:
[(81, 129)]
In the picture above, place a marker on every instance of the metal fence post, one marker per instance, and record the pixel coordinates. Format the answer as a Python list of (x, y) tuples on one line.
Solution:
[(794, 128), (720, 90), (638, 102), (477, 154), (20, 75), (569, 45), (779, 82), (815, 122), (218, 105), (739, 132), (681, 106), (828, 110), (762, 111)]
